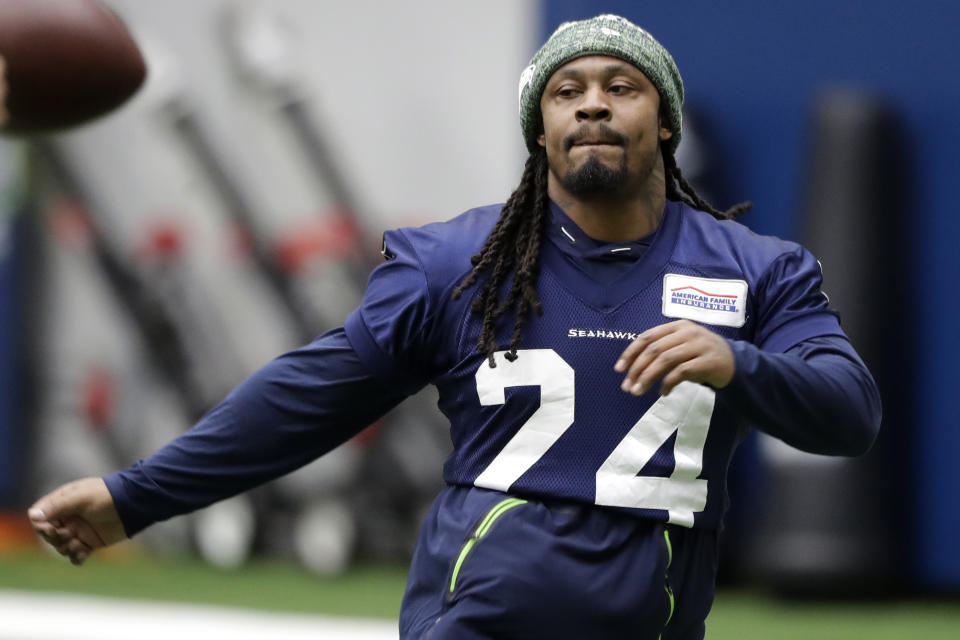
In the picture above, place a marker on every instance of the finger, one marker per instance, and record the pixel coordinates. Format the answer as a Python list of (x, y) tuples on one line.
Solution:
[(660, 366), (712, 365), (63, 549), (52, 534), (693, 336), (57, 504), (50, 539), (639, 367), (73, 548), (690, 371), (628, 354), (44, 529), (36, 514), (82, 530), (640, 343), (673, 332), (53, 538), (76, 546)]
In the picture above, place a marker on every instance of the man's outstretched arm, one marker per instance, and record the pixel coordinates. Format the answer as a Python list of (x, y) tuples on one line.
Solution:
[(293, 410)]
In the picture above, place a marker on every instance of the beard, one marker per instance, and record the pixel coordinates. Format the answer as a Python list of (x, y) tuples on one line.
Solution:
[(595, 179)]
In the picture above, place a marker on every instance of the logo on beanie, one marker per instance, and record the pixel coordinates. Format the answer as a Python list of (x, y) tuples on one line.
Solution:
[(525, 79)]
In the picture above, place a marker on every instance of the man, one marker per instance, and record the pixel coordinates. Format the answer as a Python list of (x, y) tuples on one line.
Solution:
[(583, 498)]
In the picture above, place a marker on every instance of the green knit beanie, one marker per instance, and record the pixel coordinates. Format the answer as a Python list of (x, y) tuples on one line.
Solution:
[(604, 35)]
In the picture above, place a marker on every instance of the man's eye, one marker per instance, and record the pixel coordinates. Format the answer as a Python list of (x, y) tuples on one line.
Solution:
[(568, 92), (619, 89)]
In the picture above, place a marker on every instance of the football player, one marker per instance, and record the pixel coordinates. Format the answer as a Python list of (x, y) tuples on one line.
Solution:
[(599, 358)]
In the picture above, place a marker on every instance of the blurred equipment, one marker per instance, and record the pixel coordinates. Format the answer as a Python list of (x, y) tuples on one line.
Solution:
[(65, 61), (259, 47), (323, 536), (398, 475), (225, 532), (835, 525), (162, 336)]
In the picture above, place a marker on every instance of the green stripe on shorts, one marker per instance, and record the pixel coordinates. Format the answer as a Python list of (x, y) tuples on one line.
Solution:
[(498, 510)]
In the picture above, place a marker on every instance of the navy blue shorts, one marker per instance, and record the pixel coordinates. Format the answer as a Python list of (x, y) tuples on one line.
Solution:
[(489, 566)]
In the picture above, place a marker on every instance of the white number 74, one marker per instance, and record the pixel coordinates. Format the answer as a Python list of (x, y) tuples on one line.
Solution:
[(686, 411)]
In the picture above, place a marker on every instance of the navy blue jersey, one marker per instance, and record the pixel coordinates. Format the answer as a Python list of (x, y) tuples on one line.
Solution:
[(539, 441), (554, 424)]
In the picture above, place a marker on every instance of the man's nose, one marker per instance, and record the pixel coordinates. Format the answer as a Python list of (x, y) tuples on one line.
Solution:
[(594, 105)]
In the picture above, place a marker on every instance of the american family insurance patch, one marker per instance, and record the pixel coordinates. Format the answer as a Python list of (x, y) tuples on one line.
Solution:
[(707, 300)]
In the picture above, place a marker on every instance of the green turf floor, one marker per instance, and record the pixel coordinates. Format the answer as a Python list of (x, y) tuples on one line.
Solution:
[(376, 591), (372, 591)]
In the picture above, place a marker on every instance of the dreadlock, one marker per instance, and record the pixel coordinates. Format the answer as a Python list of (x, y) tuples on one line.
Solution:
[(514, 245), (680, 190)]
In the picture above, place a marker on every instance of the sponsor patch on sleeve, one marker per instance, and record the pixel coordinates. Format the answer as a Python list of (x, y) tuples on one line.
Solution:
[(707, 300)]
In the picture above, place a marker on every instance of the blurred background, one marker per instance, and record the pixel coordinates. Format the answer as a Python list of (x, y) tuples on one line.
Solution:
[(153, 259)]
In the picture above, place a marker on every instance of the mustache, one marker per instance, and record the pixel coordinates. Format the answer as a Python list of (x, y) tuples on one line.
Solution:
[(600, 133)]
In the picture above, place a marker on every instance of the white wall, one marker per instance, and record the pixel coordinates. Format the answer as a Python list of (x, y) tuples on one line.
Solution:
[(418, 98)]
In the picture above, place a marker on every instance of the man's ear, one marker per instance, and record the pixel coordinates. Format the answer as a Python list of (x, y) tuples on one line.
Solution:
[(665, 132), (542, 140)]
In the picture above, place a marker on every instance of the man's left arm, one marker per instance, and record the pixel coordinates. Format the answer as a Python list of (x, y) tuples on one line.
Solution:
[(817, 396)]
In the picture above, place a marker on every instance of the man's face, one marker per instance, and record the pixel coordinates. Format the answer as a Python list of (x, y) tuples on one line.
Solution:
[(602, 129)]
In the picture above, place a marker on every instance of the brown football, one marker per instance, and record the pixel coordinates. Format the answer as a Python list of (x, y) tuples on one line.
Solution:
[(66, 62)]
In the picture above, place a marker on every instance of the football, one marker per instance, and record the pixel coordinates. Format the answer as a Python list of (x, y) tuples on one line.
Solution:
[(63, 63)]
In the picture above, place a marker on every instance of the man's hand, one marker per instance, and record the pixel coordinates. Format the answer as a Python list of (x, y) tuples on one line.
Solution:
[(676, 351), (77, 518)]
